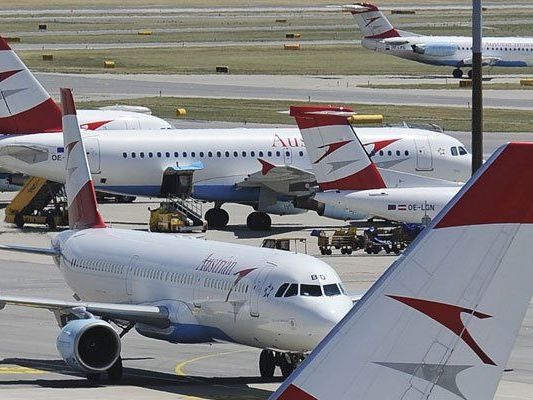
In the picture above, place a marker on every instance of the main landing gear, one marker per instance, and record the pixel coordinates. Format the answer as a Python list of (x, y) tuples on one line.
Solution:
[(458, 73), (258, 221), (269, 360), (216, 217)]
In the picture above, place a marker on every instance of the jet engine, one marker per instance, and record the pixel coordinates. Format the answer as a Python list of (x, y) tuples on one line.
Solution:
[(339, 213), (435, 50), (89, 345), (282, 208)]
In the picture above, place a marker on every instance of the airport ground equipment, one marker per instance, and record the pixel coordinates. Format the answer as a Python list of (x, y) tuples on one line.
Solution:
[(39, 202), (296, 244), (373, 239), (178, 215)]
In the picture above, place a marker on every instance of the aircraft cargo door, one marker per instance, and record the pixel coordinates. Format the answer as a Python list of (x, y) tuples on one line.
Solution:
[(259, 290), (92, 148), (424, 158)]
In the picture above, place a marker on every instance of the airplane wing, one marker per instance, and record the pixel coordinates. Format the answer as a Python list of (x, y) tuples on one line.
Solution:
[(29, 154), (486, 61), (152, 315), (282, 179), (30, 250)]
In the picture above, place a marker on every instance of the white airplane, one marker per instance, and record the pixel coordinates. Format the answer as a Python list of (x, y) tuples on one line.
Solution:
[(177, 289), (441, 322), (266, 168), (454, 51), (348, 179), (26, 107)]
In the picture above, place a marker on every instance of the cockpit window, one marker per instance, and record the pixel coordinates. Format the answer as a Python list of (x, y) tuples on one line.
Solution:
[(331, 290), (310, 290), (454, 151), (292, 290), (343, 291), (281, 290), (462, 150)]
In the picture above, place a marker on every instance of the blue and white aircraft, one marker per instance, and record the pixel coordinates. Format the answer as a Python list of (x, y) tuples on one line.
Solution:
[(455, 51)]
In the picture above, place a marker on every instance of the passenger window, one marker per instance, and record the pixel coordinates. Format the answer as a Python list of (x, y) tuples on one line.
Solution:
[(406, 152), (235, 154), (226, 153), (201, 154), (389, 153), (209, 154), (244, 154), (398, 152), (331, 290), (159, 154), (151, 155), (310, 290), (167, 154), (301, 153), (260, 154), (125, 155), (193, 154), (252, 154), (291, 291), (269, 154), (141, 154), (184, 154), (133, 155), (219, 154), (278, 154), (462, 150), (281, 290), (176, 154), (454, 151), (381, 152)]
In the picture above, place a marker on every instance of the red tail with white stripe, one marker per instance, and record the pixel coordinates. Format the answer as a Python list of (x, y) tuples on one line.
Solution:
[(81, 198), (442, 320), (371, 21), (25, 107), (339, 159)]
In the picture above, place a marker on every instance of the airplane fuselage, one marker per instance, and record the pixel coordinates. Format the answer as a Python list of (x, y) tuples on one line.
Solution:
[(456, 51), (125, 162), (213, 291)]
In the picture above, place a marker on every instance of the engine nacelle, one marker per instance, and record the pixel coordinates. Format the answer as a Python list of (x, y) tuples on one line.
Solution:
[(282, 208), (339, 213), (436, 50), (89, 345)]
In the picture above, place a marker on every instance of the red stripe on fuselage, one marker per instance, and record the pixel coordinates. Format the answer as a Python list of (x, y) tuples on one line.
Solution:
[(385, 35)]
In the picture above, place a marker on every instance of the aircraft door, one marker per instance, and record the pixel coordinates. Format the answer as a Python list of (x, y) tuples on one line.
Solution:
[(287, 155), (260, 290), (92, 148), (129, 275), (424, 158)]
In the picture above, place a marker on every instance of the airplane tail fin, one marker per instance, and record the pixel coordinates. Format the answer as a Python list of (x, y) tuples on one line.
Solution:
[(338, 158), (81, 198), (442, 320), (25, 106), (372, 22)]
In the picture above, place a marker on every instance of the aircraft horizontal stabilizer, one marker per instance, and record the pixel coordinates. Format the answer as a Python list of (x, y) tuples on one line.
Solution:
[(30, 250)]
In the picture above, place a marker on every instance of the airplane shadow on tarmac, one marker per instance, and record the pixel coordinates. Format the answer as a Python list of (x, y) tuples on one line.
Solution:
[(242, 232), (195, 386)]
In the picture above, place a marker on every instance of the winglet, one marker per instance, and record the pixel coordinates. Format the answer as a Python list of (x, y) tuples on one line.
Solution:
[(440, 323), (339, 160), (26, 107), (81, 197)]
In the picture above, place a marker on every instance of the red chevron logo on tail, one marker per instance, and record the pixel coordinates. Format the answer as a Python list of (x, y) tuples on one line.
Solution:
[(331, 148), (449, 316)]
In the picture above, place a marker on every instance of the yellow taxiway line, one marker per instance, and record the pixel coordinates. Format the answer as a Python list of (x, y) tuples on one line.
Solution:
[(180, 367)]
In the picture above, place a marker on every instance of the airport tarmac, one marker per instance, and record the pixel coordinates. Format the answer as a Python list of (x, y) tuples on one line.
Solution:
[(30, 367), (331, 89)]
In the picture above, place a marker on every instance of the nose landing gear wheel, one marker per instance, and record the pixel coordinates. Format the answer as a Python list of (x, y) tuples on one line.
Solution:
[(217, 218), (457, 73), (258, 221), (267, 364)]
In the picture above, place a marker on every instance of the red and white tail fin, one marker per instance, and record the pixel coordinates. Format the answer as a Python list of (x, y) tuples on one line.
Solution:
[(442, 320), (371, 21), (338, 158), (25, 106), (81, 198)]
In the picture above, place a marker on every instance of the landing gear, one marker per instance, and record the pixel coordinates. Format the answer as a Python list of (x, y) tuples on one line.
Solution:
[(267, 364), (258, 221), (457, 73), (114, 373), (287, 362), (470, 74), (216, 217)]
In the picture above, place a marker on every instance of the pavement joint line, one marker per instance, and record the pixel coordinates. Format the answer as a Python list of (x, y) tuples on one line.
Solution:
[(180, 367)]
